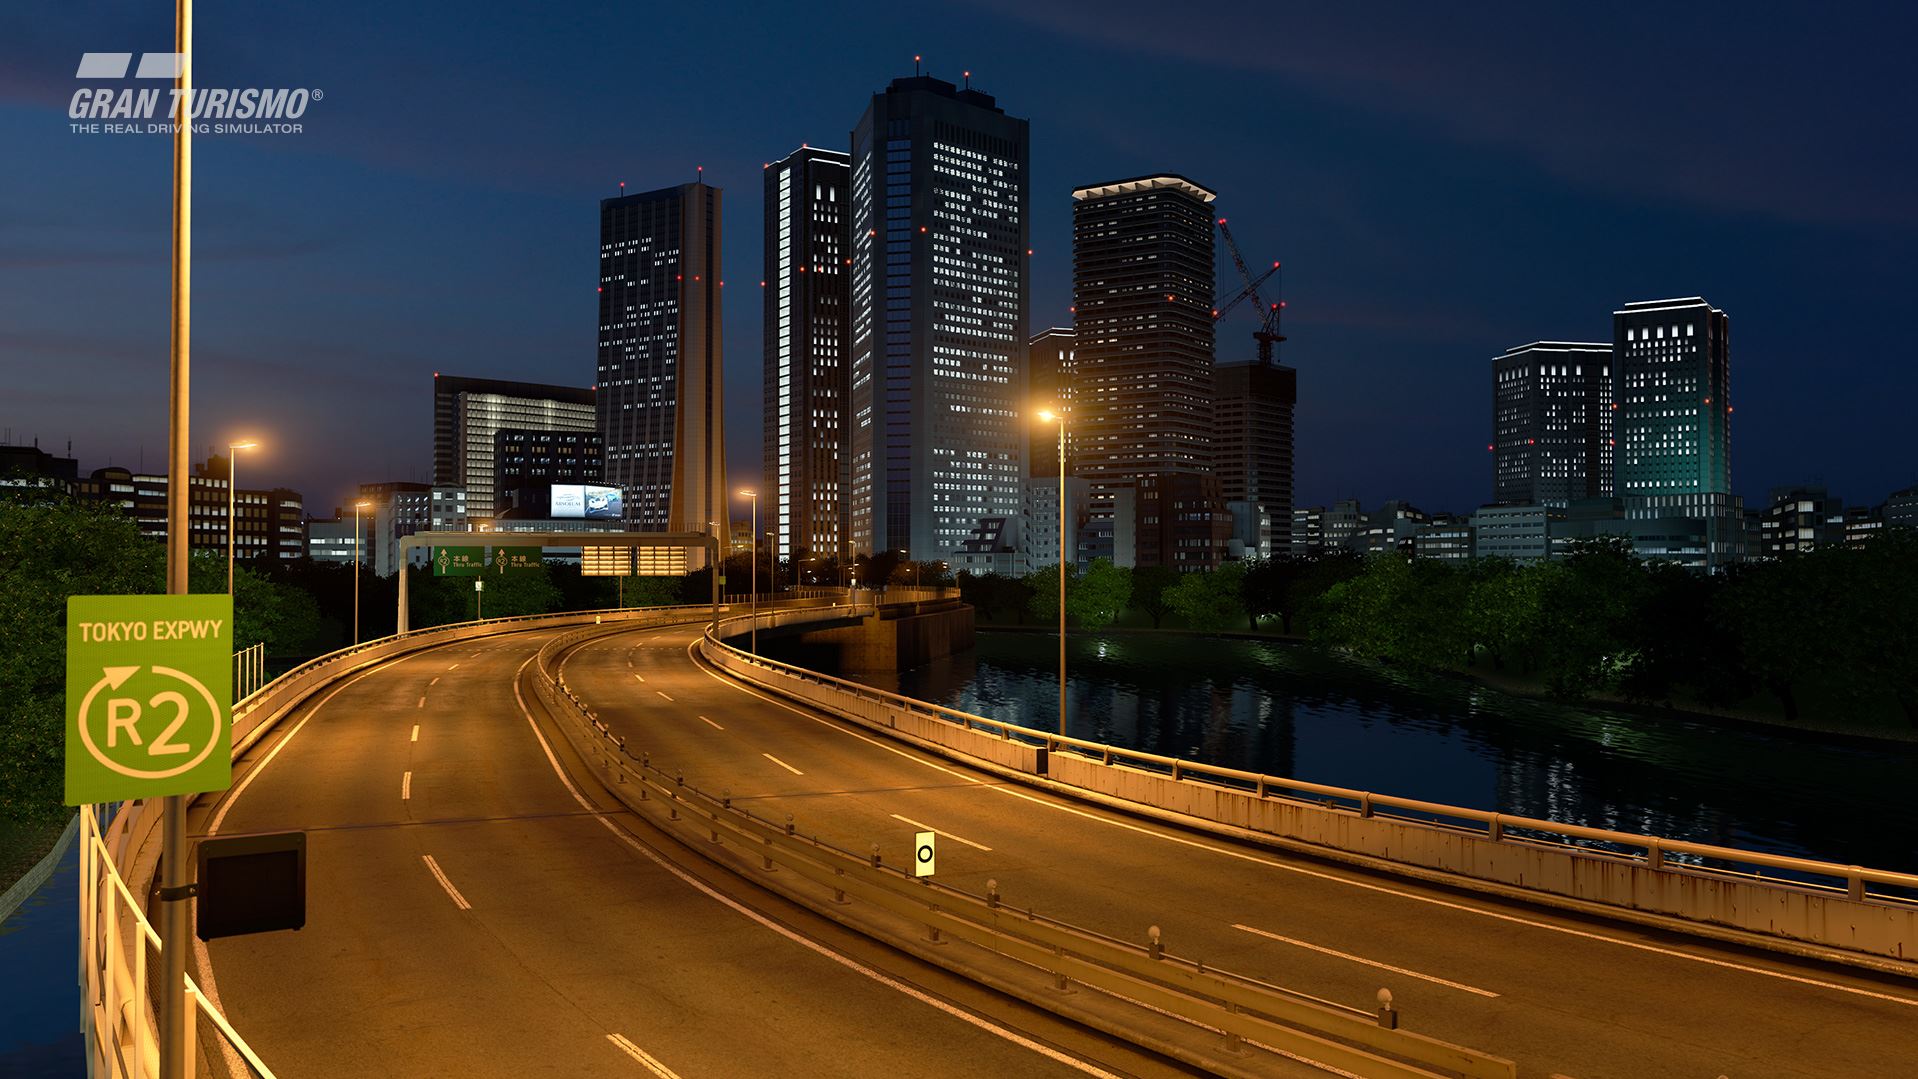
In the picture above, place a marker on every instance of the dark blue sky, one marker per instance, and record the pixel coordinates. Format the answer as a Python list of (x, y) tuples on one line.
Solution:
[(1441, 182)]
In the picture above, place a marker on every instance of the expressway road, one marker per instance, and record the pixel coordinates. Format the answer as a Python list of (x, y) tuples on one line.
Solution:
[(471, 912), (1561, 995)]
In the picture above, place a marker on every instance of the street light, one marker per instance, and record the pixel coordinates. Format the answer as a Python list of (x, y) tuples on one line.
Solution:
[(357, 507), (754, 495), (232, 485), (1050, 416)]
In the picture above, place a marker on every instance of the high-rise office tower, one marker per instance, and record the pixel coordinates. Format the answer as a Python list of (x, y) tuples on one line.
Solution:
[(1049, 385), (660, 390), (805, 397), (1142, 358), (1552, 423), (939, 196), (1672, 383), (469, 412), (1252, 439)]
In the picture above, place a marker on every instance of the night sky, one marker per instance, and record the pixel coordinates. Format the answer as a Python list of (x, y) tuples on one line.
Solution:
[(1441, 182)]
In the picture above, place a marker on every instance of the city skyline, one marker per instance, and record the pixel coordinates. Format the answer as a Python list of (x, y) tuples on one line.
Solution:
[(1404, 368)]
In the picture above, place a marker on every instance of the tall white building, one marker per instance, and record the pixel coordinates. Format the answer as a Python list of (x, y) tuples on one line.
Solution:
[(938, 331), (1552, 423)]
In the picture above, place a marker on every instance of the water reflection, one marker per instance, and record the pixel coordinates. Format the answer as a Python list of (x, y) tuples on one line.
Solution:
[(1297, 712)]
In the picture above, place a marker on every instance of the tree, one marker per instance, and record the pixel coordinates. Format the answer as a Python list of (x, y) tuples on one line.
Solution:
[(1094, 599), (1151, 588), (1210, 600)]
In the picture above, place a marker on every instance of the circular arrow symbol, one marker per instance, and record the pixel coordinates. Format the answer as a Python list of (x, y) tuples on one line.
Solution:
[(123, 714)]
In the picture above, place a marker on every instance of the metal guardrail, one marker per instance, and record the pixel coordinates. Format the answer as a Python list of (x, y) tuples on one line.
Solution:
[(118, 945), (1807, 876), (1243, 1008)]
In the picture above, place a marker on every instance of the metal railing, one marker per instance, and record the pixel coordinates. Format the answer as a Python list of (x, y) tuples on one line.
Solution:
[(249, 670), (1858, 884), (881, 899), (117, 942)]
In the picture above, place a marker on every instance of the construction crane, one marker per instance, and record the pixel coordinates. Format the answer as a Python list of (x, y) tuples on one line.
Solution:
[(1268, 333)]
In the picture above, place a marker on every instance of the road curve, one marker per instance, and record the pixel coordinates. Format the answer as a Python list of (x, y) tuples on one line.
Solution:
[(1560, 994), (473, 912)]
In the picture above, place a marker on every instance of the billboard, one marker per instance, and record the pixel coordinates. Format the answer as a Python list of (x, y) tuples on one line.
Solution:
[(586, 501)]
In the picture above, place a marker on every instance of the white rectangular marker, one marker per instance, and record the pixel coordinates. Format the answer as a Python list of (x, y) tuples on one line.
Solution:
[(924, 846), (715, 726), (454, 665), (458, 899), (406, 787), (1322, 950), (422, 703), (434, 682), (641, 677), (663, 693), (779, 762), (948, 835), (646, 1060), (416, 732)]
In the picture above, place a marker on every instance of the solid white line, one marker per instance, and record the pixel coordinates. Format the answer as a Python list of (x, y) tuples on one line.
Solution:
[(1301, 871), (406, 787), (646, 1060), (458, 899), (663, 693), (715, 726), (782, 764), (1322, 950), (948, 835), (246, 781), (851, 964), (416, 732)]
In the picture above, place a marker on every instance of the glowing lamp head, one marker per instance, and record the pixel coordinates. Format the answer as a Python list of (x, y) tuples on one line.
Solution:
[(243, 444)]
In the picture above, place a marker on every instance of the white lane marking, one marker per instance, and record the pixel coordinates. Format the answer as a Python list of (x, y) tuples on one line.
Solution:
[(246, 781), (458, 899), (849, 963), (663, 693), (646, 1060), (641, 677), (1331, 877), (941, 831), (416, 732), (1323, 950), (422, 703), (454, 665), (434, 682), (715, 726), (782, 764), (406, 787)]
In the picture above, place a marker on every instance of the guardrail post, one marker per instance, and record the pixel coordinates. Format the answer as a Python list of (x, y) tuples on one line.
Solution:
[(1233, 1043), (768, 854), (789, 824), (838, 893), (1156, 949), (1175, 771), (726, 797), (1495, 828), (992, 894), (1388, 1015), (1855, 883), (673, 810), (1260, 788), (1654, 855), (1365, 804), (715, 816), (875, 856)]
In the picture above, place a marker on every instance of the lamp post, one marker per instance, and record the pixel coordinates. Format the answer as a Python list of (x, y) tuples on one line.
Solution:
[(754, 495), (1050, 416), (232, 487), (357, 507)]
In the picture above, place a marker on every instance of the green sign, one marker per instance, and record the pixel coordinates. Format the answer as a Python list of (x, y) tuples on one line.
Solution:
[(518, 559), (458, 561), (149, 696)]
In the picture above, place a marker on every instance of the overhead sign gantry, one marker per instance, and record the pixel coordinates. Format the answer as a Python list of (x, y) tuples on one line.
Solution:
[(464, 554)]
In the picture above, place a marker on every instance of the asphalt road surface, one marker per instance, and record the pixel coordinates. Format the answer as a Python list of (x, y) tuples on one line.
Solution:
[(1561, 995), (473, 913)]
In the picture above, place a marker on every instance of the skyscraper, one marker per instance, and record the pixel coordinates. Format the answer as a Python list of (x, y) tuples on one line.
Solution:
[(805, 342), (1142, 294), (469, 412), (1672, 377), (660, 390), (1552, 423), (1252, 439), (939, 197)]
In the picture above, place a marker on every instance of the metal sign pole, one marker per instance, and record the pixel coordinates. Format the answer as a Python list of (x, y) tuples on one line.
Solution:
[(176, 874)]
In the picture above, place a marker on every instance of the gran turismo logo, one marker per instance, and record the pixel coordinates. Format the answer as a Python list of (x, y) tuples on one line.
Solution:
[(148, 110)]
